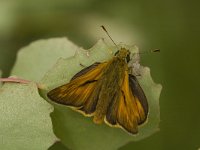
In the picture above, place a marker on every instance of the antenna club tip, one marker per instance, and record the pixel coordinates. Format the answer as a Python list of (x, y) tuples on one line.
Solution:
[(103, 28), (108, 34), (156, 50)]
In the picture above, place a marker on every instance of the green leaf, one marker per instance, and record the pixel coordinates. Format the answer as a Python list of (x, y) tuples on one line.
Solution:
[(78, 132), (24, 117), (34, 60)]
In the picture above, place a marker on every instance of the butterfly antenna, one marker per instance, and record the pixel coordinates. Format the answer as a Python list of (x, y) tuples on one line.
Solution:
[(155, 50), (108, 35), (151, 51)]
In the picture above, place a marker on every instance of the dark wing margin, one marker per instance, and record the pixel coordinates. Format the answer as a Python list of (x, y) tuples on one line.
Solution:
[(138, 92)]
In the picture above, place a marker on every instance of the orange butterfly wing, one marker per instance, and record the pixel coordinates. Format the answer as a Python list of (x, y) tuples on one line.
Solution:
[(129, 109), (78, 92)]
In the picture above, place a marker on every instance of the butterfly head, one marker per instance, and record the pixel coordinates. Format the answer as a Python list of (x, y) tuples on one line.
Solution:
[(124, 54)]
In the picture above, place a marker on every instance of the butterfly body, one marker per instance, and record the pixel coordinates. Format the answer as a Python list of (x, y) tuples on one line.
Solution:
[(111, 85), (107, 92)]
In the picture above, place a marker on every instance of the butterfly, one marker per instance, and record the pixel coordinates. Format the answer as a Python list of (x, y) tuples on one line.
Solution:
[(107, 92)]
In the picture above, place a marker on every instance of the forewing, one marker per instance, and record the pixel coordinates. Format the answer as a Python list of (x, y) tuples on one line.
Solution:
[(79, 92)]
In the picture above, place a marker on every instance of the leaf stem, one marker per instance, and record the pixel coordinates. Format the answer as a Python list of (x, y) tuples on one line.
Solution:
[(18, 80)]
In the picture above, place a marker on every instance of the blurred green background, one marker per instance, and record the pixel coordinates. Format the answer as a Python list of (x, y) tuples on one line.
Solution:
[(172, 26)]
